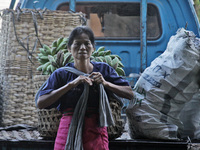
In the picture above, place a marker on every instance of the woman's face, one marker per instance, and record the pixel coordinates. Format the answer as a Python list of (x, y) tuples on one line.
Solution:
[(81, 47)]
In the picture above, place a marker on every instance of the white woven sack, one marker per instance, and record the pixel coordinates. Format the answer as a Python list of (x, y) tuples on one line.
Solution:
[(164, 88), (190, 117), (144, 122)]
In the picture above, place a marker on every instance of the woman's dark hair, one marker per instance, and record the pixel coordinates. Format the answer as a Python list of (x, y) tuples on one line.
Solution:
[(78, 31)]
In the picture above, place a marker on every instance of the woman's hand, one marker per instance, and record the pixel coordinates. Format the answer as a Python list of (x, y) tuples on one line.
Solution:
[(82, 79), (97, 78), (122, 91)]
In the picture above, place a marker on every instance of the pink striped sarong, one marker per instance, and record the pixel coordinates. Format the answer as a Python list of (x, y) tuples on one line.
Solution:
[(94, 137)]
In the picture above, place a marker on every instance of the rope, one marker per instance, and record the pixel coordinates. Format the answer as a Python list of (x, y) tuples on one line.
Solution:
[(26, 48), (19, 41)]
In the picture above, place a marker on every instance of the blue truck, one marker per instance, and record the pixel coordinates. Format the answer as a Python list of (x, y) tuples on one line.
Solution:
[(136, 30)]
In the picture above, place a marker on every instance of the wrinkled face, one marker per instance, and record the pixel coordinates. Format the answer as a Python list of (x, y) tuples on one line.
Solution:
[(81, 47)]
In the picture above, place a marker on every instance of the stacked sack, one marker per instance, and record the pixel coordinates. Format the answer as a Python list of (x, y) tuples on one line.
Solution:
[(164, 88)]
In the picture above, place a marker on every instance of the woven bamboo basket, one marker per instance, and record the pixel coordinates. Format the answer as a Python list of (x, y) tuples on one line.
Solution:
[(48, 122), (117, 130), (18, 67), (48, 119)]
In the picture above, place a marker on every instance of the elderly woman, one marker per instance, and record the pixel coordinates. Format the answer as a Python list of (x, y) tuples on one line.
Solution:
[(64, 89)]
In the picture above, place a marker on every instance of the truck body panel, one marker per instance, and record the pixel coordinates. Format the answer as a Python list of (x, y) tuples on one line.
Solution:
[(171, 14)]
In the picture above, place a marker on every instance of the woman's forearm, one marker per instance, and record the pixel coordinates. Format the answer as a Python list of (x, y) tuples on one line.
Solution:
[(122, 91), (48, 99)]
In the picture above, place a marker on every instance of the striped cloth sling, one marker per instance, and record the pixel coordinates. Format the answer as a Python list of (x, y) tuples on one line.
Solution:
[(74, 138)]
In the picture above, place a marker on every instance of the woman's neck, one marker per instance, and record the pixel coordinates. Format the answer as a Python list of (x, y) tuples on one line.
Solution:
[(84, 66)]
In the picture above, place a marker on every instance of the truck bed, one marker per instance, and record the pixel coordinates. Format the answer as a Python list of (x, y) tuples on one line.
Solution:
[(30, 140), (141, 144)]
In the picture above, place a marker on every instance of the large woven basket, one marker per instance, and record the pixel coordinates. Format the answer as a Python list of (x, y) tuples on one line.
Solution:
[(17, 104)]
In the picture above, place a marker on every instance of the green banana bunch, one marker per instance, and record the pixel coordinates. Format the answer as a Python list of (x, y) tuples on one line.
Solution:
[(102, 55), (57, 55), (54, 56), (67, 58)]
